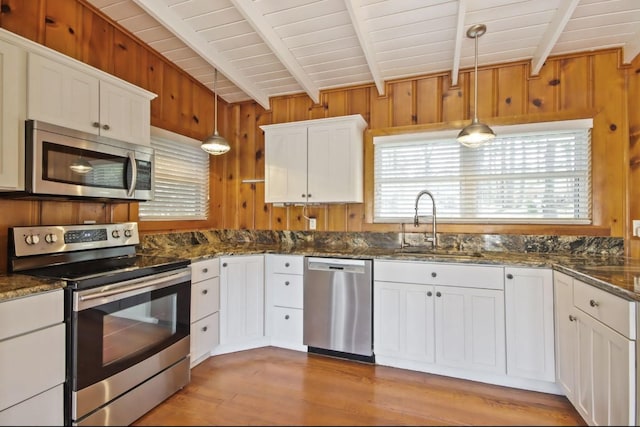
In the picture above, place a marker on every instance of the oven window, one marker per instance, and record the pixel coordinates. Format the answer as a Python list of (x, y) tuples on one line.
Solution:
[(111, 337), (135, 329)]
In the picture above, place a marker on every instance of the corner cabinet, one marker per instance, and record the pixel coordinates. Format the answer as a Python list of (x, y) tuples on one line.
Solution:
[(32, 355), (241, 303), (205, 309), (69, 93), (596, 351), (315, 161)]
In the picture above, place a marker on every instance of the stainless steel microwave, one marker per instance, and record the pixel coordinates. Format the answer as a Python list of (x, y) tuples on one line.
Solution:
[(78, 165)]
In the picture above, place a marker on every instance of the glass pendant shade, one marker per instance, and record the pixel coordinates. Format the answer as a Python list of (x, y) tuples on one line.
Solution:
[(215, 144), (81, 166), (477, 133)]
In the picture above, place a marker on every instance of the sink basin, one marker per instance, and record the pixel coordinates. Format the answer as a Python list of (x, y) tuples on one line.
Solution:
[(437, 253)]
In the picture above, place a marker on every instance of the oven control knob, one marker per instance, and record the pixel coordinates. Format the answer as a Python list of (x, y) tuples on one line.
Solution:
[(127, 233), (115, 234), (32, 239), (50, 238)]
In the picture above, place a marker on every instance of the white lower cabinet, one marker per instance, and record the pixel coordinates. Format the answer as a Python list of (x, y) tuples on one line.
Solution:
[(530, 323), (32, 360), (596, 351), (284, 299), (205, 308), (441, 318), (241, 303)]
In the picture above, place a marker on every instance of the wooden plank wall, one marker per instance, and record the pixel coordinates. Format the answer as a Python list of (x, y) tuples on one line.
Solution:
[(592, 84)]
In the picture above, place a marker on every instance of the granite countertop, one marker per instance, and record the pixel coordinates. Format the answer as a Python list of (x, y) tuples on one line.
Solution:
[(617, 275)]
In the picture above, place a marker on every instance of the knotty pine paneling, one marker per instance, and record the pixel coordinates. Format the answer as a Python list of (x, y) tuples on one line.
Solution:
[(592, 84)]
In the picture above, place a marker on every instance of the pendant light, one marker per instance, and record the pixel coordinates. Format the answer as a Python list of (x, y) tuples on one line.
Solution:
[(215, 144), (477, 133)]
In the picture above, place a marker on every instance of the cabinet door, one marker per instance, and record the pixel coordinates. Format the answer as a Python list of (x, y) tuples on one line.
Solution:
[(286, 165), (566, 335), (334, 172), (605, 381), (124, 115), (241, 299), (12, 116), (404, 321), (469, 328), (529, 323), (61, 95)]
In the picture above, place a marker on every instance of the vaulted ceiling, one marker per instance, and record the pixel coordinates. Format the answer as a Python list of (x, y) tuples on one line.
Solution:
[(265, 48)]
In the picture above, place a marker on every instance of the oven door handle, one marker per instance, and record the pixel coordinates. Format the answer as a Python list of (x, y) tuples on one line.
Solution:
[(109, 294)]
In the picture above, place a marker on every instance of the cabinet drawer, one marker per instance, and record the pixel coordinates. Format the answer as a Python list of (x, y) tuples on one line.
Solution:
[(436, 273), (615, 312), (44, 409), (205, 298), (287, 264), (31, 363), (287, 325), (205, 335), (287, 290), (21, 315), (202, 270)]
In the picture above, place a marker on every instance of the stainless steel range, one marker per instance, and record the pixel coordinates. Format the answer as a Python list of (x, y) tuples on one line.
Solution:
[(127, 317)]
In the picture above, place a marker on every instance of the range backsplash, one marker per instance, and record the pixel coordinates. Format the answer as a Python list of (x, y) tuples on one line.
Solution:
[(566, 245)]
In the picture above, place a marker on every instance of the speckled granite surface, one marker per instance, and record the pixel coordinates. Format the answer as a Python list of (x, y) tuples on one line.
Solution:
[(598, 261)]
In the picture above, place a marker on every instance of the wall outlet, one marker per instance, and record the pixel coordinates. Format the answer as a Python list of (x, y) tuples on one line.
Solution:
[(312, 223), (636, 227)]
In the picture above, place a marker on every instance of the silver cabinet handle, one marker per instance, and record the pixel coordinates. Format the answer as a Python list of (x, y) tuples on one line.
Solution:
[(224, 264), (434, 274), (95, 124), (286, 264), (429, 293), (594, 303), (286, 317), (286, 283), (204, 329), (509, 276), (205, 270), (438, 294), (205, 291), (106, 127), (572, 318)]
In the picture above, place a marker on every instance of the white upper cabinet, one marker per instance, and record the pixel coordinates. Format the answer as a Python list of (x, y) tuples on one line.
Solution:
[(12, 115), (78, 97), (315, 161)]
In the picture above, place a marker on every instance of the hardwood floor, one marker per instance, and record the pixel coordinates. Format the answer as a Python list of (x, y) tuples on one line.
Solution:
[(273, 386)]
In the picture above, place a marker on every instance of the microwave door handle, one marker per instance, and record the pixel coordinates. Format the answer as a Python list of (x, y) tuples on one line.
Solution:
[(134, 173)]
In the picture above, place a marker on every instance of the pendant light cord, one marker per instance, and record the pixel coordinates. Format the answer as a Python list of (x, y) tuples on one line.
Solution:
[(475, 77)]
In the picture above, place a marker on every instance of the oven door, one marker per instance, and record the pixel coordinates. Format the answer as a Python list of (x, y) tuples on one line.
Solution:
[(116, 327), (65, 162)]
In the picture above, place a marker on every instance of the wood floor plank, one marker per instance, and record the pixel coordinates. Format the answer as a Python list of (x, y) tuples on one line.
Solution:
[(273, 386)]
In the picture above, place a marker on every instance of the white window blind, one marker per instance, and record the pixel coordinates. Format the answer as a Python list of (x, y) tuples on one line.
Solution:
[(181, 179), (538, 173)]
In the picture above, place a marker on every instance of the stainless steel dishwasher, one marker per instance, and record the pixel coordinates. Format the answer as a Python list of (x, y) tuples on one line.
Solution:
[(338, 307)]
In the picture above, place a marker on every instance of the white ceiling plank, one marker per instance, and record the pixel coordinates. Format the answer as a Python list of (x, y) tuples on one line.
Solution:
[(185, 33), (268, 34), (460, 30), (354, 8), (550, 37), (632, 48)]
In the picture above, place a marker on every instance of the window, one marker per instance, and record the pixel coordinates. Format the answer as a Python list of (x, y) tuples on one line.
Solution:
[(535, 173), (181, 179)]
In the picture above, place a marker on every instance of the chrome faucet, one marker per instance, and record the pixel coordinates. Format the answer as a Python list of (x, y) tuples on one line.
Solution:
[(416, 219)]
